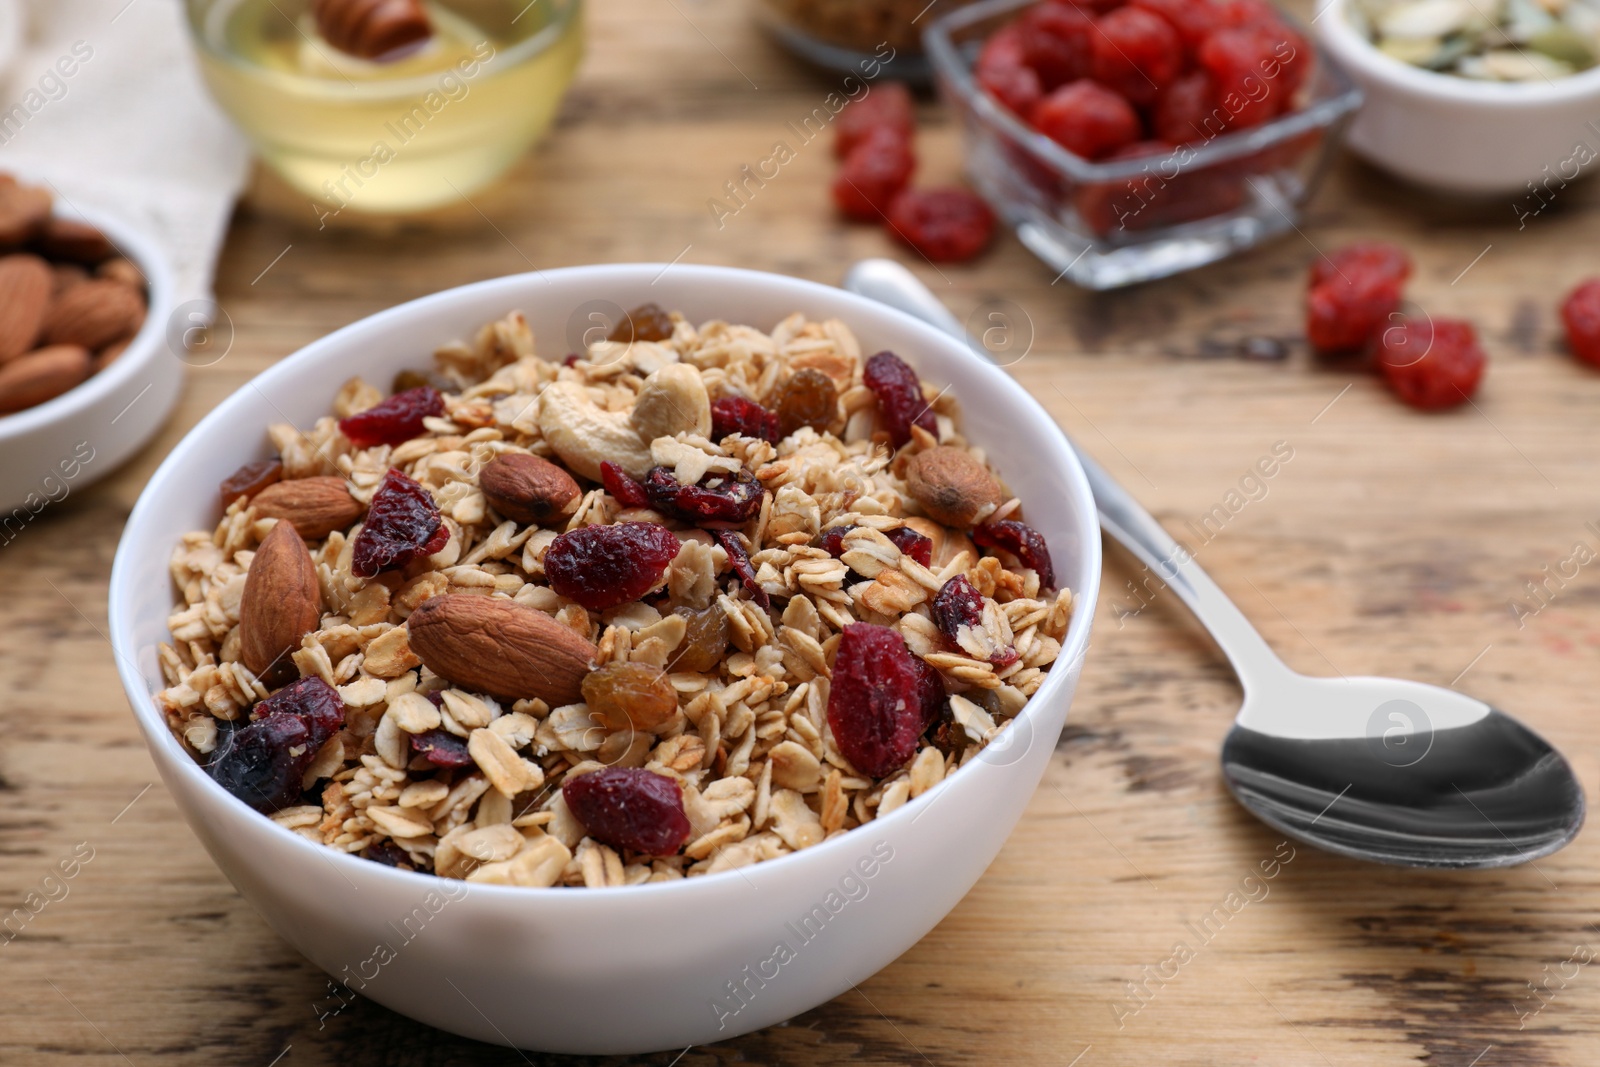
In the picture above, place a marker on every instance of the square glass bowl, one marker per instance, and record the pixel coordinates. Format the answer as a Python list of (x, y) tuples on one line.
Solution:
[(1109, 224)]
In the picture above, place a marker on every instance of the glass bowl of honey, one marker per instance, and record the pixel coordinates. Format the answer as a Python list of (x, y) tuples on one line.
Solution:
[(415, 129)]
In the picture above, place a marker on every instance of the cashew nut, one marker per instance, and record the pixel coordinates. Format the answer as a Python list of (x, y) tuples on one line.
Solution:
[(673, 400), (584, 436)]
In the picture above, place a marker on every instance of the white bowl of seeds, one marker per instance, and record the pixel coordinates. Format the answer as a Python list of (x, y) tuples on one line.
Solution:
[(1474, 97)]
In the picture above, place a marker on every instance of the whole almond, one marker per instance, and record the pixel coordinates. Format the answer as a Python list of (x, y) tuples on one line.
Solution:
[(372, 29), (25, 286), (121, 270), (66, 275), (80, 242), (952, 486), (42, 375), (23, 210), (529, 489), (500, 647), (281, 604), (94, 314), (315, 506)]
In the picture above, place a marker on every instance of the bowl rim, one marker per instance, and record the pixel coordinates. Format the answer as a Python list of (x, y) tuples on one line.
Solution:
[(200, 32), (1354, 49), (145, 253), (953, 72), (166, 750)]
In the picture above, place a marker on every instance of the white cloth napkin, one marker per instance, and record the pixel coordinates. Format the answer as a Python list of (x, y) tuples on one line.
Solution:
[(130, 130)]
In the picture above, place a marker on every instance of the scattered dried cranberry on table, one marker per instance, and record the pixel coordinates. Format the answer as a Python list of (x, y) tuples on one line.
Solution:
[(1580, 313), (509, 678), (1353, 293), (1431, 363)]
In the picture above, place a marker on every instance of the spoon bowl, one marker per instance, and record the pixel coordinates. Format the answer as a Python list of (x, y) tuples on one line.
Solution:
[(1376, 768)]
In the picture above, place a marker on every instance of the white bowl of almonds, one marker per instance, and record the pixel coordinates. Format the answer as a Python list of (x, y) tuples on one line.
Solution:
[(1476, 97), (86, 376), (613, 700)]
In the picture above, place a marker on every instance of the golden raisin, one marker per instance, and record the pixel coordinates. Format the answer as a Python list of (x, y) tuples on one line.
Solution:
[(705, 642), (807, 399), (634, 696), (647, 322)]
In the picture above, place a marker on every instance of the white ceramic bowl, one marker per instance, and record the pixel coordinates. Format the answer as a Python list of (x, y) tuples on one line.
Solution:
[(630, 969), (1460, 135), (64, 444)]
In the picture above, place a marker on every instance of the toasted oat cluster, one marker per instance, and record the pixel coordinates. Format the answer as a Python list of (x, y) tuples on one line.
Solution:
[(693, 599)]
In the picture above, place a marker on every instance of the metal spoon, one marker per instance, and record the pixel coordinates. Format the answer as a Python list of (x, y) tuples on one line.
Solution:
[(1376, 768)]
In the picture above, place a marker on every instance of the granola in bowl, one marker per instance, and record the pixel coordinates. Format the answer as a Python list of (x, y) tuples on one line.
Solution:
[(697, 598)]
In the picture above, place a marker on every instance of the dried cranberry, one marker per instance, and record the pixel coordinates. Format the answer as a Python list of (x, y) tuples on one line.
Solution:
[(263, 763), (1193, 21), (913, 544), (886, 106), (1003, 71), (878, 700), (739, 557), (647, 322), (441, 748), (1431, 363), (1087, 119), (394, 420), (931, 686), (719, 499), (387, 853), (403, 524), (314, 701), (1188, 112), (250, 479), (601, 567), (1254, 71), (899, 395), (629, 808), (1163, 195), (874, 171), (808, 398), (622, 486), (1353, 294), (957, 604), (1581, 316), (1057, 43), (831, 540), (1022, 541), (1136, 53), (736, 415), (571, 359), (946, 225)]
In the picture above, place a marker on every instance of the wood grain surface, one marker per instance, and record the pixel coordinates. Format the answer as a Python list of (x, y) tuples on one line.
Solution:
[(1391, 543)]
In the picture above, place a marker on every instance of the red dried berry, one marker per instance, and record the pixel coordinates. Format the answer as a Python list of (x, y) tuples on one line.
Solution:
[(622, 486), (1057, 43), (1255, 70), (601, 567), (739, 558), (931, 686), (878, 700), (958, 604), (1354, 293), (647, 322), (441, 748), (719, 500), (1581, 315), (387, 853), (887, 106), (831, 540), (1136, 53), (250, 479), (736, 415), (1022, 541), (1005, 74), (1431, 364), (1187, 112), (571, 359), (911, 543), (263, 763), (1087, 119), (1164, 194), (1194, 20), (394, 420), (629, 808), (314, 701), (899, 395), (946, 225), (403, 524), (874, 171)]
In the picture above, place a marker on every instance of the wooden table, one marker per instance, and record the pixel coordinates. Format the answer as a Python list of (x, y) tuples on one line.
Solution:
[(1391, 543)]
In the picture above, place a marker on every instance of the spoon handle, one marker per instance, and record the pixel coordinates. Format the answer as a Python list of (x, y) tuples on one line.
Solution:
[(1121, 516)]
